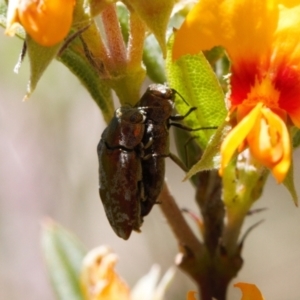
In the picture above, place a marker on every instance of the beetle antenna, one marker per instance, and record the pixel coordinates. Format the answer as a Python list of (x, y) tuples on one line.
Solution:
[(176, 92)]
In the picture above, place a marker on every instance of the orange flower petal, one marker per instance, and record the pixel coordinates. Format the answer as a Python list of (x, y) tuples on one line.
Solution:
[(237, 135), (244, 28), (46, 21), (250, 291), (191, 295)]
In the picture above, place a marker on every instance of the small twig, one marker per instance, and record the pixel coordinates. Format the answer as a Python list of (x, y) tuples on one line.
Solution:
[(114, 38), (179, 226)]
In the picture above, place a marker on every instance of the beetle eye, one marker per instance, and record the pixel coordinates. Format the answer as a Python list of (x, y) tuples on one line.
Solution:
[(137, 117)]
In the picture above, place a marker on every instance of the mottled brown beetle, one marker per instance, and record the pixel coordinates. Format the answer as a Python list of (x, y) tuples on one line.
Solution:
[(158, 103), (120, 170), (132, 153)]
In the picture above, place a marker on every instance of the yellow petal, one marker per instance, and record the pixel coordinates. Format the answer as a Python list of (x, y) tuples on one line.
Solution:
[(237, 135), (250, 291), (285, 42), (270, 144), (265, 143), (46, 21), (243, 27), (281, 168), (99, 281)]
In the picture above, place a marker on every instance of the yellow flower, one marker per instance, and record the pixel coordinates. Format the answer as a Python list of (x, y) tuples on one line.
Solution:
[(262, 40), (99, 280), (46, 21)]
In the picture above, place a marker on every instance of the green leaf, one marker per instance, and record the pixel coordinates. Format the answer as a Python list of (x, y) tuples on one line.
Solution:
[(64, 255), (123, 18), (39, 59), (156, 15), (290, 185), (211, 158), (90, 79), (3, 12), (193, 77), (153, 60), (127, 86), (296, 138)]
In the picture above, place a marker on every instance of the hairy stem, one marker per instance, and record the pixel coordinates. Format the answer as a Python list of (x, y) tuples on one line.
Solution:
[(114, 38), (136, 41)]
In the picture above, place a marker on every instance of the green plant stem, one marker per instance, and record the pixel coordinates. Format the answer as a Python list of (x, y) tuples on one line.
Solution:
[(232, 232)]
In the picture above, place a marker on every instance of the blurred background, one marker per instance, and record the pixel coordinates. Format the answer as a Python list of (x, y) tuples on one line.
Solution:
[(49, 168)]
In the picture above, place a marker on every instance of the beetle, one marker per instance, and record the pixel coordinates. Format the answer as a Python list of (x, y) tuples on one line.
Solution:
[(120, 171), (158, 103), (131, 156)]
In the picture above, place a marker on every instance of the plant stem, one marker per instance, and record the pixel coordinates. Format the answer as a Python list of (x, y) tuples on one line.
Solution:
[(179, 226), (114, 39), (136, 41)]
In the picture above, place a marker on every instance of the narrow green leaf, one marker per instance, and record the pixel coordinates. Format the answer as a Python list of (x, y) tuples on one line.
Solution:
[(90, 79), (211, 158), (39, 59), (3, 12), (153, 60), (296, 138), (193, 77), (64, 255), (123, 17)]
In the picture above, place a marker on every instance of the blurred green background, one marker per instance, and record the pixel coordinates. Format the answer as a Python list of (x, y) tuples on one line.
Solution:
[(49, 168)]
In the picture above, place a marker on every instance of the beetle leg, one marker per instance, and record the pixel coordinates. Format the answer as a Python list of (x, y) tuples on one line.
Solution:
[(181, 117), (141, 147), (178, 162), (142, 191), (72, 37), (149, 143), (175, 158), (178, 125), (148, 156)]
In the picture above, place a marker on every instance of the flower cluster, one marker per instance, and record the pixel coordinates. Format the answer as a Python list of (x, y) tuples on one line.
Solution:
[(262, 42)]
